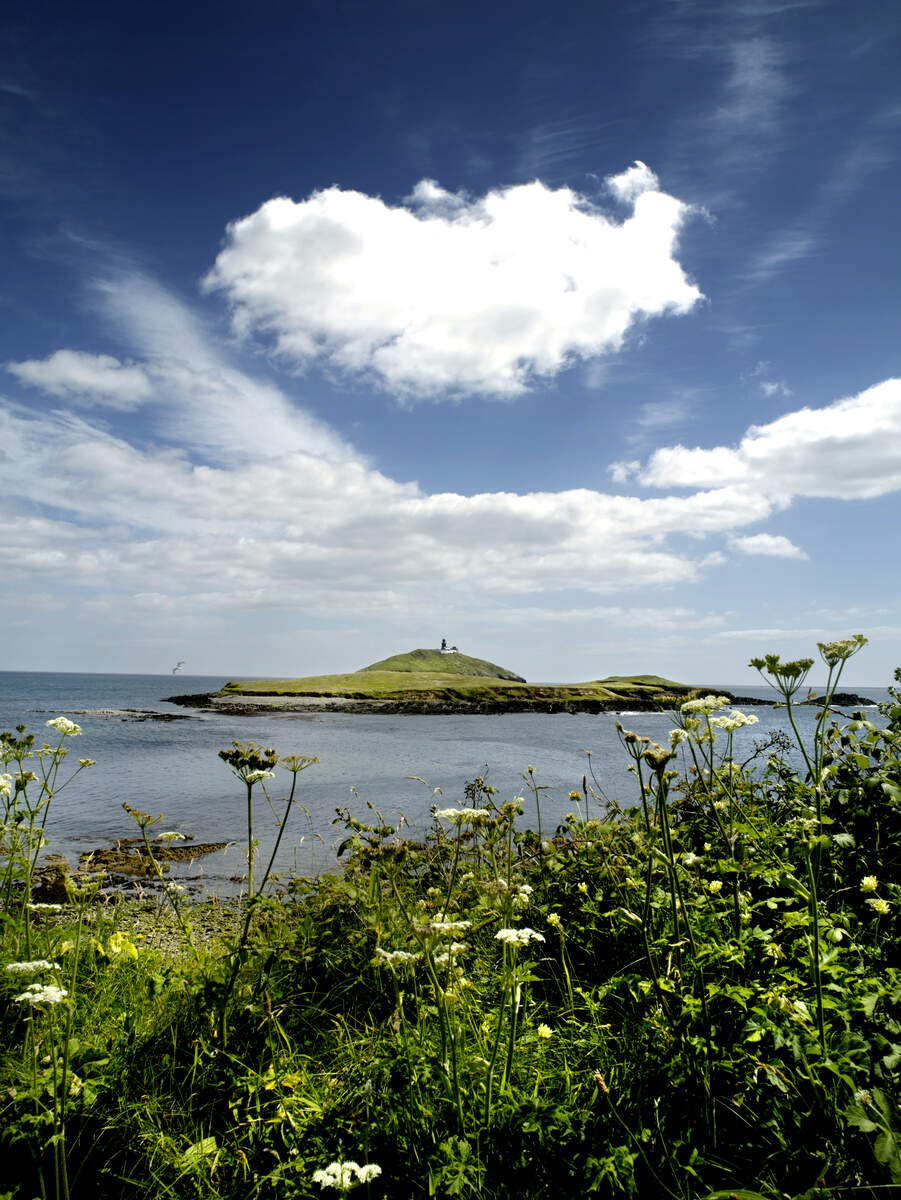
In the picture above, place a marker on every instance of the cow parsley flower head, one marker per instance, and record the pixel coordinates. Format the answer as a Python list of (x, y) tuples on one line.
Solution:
[(833, 653), (734, 720), (393, 958), (171, 835), (463, 816), (705, 704), (869, 883), (66, 727), (518, 937), (345, 1175), (451, 928), (878, 905), (30, 968), (544, 1031), (258, 776), (41, 994)]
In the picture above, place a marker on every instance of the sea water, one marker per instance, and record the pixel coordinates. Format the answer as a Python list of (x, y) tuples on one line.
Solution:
[(394, 764)]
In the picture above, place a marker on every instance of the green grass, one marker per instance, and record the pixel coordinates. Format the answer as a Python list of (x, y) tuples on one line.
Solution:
[(429, 675), (433, 662)]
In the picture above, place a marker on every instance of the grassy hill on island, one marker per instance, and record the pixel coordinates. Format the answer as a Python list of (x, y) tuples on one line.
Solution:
[(430, 677), (441, 662)]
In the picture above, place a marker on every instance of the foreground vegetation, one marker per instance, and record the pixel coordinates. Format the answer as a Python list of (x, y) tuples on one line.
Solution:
[(696, 997)]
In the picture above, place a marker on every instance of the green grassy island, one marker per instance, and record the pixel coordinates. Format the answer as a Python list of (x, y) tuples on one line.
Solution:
[(441, 681)]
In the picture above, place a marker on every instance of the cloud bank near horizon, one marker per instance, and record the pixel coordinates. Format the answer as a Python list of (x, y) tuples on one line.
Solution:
[(223, 520)]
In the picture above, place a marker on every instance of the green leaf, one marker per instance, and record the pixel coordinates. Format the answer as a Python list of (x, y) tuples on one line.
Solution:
[(195, 1154), (734, 1194)]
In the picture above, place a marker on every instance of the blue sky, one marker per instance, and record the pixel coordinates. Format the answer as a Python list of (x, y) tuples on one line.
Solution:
[(567, 332)]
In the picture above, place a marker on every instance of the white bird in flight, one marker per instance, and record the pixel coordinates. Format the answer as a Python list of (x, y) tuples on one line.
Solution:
[(178, 666)]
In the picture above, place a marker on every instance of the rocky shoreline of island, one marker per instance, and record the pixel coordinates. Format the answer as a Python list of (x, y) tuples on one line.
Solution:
[(261, 703)]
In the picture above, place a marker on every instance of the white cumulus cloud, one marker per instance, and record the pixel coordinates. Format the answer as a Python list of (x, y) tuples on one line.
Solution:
[(86, 379), (771, 544), (850, 449), (449, 295)]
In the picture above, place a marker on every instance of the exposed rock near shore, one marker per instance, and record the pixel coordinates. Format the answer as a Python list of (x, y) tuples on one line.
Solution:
[(843, 700), (126, 714)]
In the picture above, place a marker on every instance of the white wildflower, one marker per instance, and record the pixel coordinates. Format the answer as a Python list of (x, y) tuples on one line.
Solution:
[(554, 920), (676, 736), (451, 951), (463, 816), (879, 905), (734, 720), (869, 883), (544, 1031), (454, 928), (393, 957), (38, 994), (40, 906), (258, 776), (30, 968), (715, 886), (689, 859), (518, 937), (706, 704), (346, 1175), (66, 727), (171, 835)]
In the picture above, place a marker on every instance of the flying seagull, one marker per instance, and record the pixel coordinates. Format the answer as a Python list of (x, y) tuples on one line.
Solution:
[(178, 666)]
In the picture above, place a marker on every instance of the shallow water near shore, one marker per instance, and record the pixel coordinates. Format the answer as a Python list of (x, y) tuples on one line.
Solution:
[(171, 767)]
